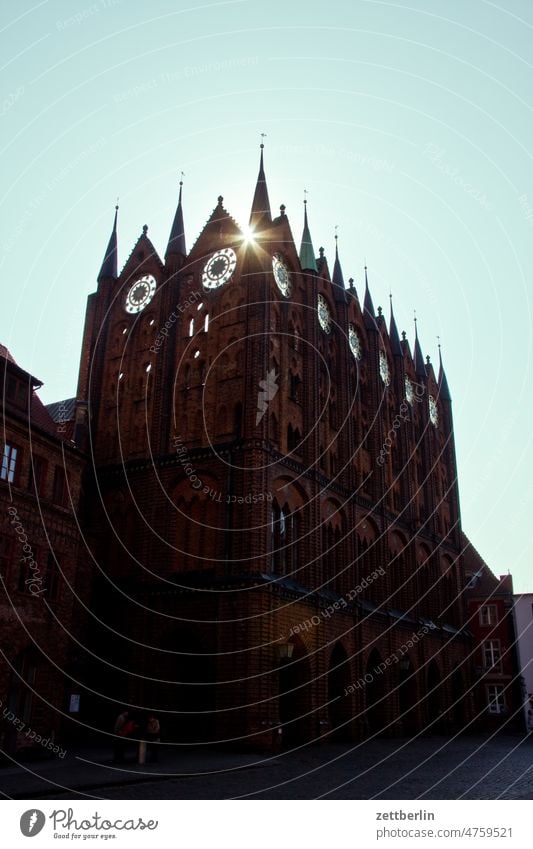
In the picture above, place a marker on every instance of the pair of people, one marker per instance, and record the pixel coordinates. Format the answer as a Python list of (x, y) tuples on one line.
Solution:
[(126, 727)]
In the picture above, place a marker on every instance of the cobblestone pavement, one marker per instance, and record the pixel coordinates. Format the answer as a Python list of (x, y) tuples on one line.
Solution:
[(426, 768)]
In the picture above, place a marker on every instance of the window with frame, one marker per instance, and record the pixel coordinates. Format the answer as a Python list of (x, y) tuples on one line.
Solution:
[(294, 387), (16, 391), (488, 614), (491, 653), (9, 469), (495, 698), (284, 533)]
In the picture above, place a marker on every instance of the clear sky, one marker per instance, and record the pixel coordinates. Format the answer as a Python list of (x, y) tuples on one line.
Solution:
[(409, 123)]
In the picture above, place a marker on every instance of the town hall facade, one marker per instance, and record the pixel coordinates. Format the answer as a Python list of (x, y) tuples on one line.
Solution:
[(265, 447), (270, 508)]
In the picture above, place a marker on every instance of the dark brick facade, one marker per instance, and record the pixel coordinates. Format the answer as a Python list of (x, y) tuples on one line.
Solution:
[(45, 581), (273, 519)]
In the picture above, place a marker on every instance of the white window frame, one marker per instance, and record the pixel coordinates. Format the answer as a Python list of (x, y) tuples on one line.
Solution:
[(9, 463), (491, 654), (496, 699), (488, 614)]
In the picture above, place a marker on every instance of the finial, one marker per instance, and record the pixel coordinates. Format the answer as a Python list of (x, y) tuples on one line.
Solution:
[(350, 281), (220, 199), (415, 318), (145, 229), (282, 209), (116, 205), (321, 252), (263, 136), (305, 195), (438, 342), (428, 359), (380, 311), (404, 335), (182, 175)]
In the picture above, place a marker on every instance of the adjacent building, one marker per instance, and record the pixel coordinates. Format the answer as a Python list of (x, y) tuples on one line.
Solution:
[(43, 574), (523, 622), (490, 604)]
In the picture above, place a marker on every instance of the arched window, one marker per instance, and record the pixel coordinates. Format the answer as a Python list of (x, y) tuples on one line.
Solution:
[(293, 438), (294, 389), (282, 529)]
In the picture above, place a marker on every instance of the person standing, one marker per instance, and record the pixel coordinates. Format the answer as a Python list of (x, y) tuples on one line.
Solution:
[(153, 737), (122, 724)]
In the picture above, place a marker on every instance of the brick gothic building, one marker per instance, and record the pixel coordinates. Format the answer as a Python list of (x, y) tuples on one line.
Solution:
[(274, 498)]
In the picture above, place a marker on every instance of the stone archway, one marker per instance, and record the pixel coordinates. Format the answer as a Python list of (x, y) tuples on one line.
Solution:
[(295, 697), (339, 702), (376, 712), (185, 693), (407, 696)]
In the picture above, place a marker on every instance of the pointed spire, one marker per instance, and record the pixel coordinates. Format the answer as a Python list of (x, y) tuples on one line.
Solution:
[(368, 307), (176, 240), (109, 269), (338, 279), (444, 392), (260, 212), (307, 254), (418, 358), (396, 348)]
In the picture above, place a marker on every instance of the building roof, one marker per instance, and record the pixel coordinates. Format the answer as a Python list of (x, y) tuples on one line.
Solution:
[(481, 580), (62, 411), (38, 413), (5, 354)]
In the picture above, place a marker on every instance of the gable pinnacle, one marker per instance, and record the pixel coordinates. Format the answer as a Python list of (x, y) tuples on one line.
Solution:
[(369, 316), (393, 333), (109, 267), (444, 391), (307, 254), (260, 212), (418, 358), (176, 240)]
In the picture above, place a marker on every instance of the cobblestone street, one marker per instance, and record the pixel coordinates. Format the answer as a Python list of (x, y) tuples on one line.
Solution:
[(427, 768)]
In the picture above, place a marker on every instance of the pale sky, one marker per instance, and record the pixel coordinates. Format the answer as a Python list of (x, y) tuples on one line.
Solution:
[(409, 124)]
